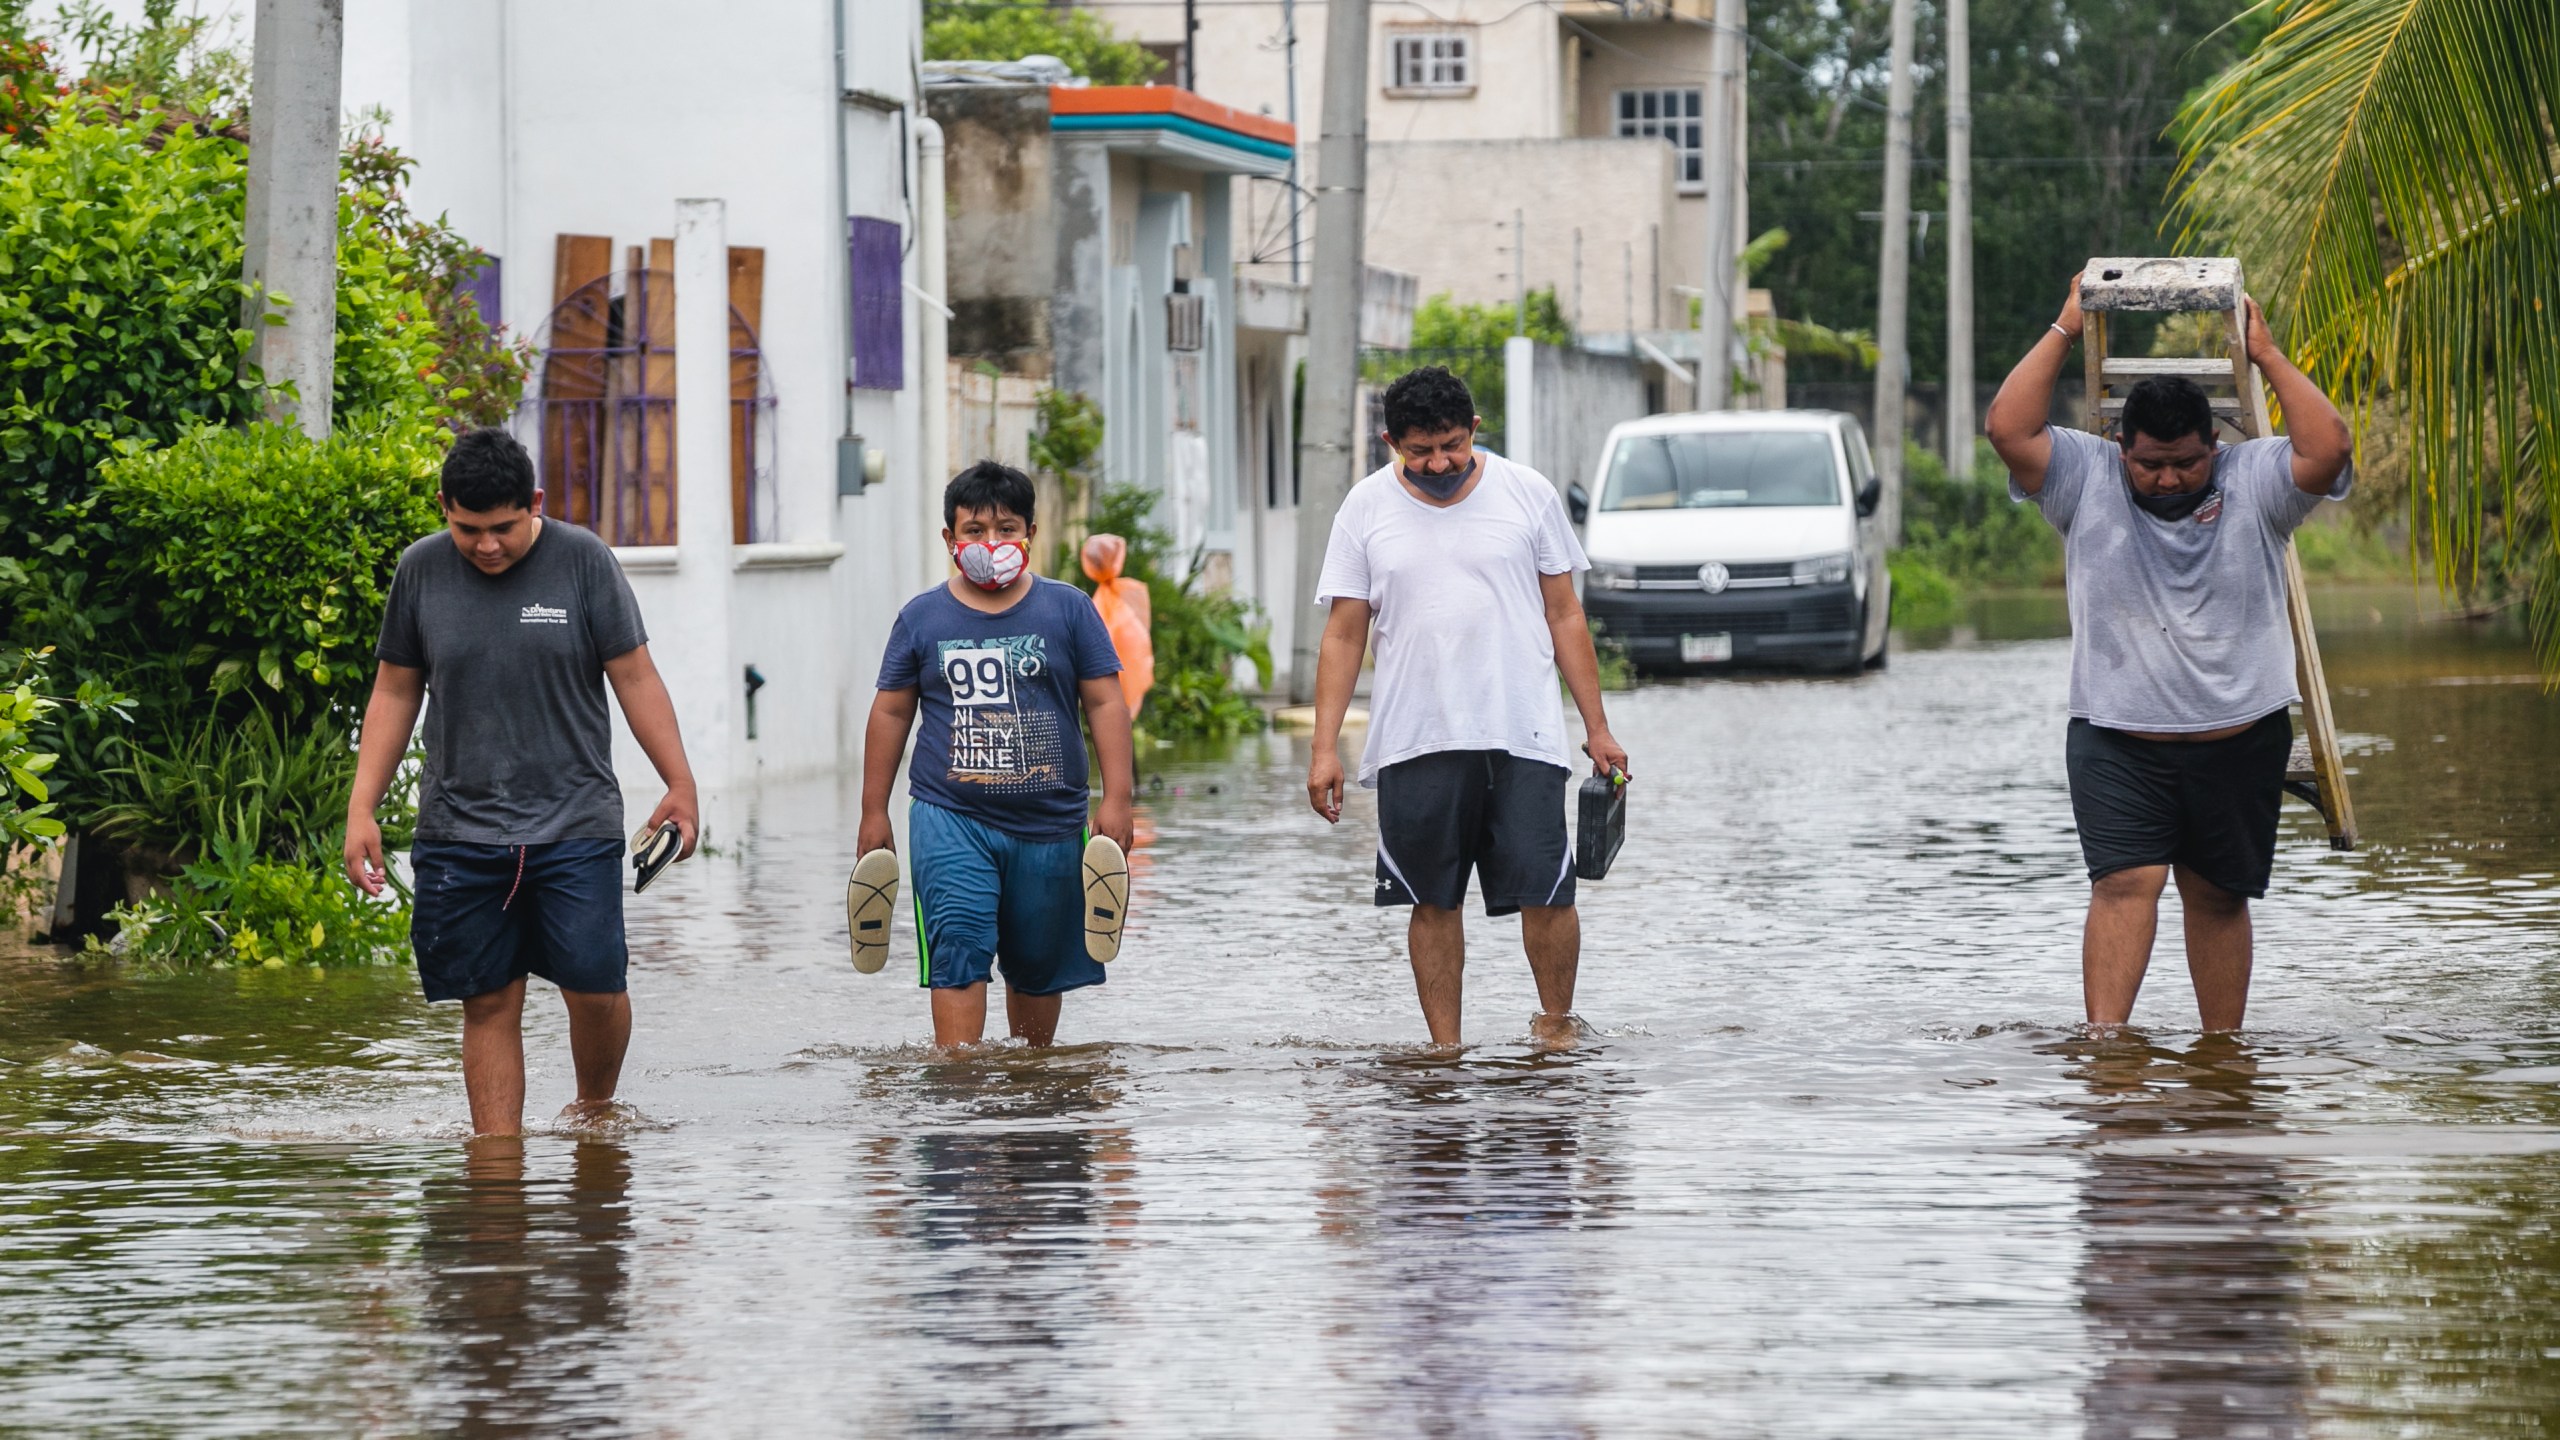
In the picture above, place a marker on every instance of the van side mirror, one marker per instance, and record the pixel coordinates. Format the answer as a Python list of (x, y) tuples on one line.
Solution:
[(1577, 503), (1870, 495)]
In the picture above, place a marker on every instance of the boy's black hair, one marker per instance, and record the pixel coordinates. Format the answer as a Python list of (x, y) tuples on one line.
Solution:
[(987, 485), (1429, 399), (487, 470), (2166, 407)]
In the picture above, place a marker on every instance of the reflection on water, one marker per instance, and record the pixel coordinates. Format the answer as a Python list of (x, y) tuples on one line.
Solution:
[(1830, 1164), (1013, 1176), (1447, 1186), (524, 1291), (2194, 1281)]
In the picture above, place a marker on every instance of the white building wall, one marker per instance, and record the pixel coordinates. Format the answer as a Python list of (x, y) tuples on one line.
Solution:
[(594, 117)]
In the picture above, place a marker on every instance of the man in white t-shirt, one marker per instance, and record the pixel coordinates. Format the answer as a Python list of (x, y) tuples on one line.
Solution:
[(1465, 563)]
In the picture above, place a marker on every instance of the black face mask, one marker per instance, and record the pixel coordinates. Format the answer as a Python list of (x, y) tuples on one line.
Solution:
[(2173, 507), (1440, 487)]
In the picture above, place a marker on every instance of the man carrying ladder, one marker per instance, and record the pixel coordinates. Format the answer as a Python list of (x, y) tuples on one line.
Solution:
[(2175, 551)]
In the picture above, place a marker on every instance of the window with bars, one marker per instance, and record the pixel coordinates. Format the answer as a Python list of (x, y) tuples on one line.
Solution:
[(1438, 60), (1676, 115)]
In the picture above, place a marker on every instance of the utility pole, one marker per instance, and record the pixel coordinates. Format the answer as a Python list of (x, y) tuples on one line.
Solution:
[(1959, 405), (1894, 302), (290, 232), (1519, 272), (1723, 179), (1289, 48), (1328, 453)]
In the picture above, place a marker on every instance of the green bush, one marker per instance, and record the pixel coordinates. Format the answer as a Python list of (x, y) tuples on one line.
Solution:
[(263, 558), (1923, 597), (235, 908), (1969, 531), (1198, 636), (280, 791), (120, 304)]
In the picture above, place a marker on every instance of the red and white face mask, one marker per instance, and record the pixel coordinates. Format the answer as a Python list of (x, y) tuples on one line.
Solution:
[(991, 566)]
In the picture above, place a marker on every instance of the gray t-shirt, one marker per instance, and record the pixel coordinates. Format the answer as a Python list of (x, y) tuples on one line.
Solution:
[(2176, 625), (519, 743)]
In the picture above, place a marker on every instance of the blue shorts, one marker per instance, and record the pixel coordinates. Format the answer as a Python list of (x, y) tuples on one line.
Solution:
[(487, 915), (985, 899)]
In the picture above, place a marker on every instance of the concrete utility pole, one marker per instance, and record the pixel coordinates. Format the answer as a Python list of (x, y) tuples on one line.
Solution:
[(1724, 179), (290, 235), (1894, 303), (1289, 46), (1519, 272), (1328, 447), (1960, 421)]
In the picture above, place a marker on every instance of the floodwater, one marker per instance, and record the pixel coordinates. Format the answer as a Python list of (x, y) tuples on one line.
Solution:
[(1834, 1161)]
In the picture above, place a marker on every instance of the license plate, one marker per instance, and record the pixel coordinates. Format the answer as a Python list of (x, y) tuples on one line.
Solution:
[(1705, 649)]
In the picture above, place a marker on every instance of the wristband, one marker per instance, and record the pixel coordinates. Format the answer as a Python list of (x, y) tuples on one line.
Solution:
[(2057, 329)]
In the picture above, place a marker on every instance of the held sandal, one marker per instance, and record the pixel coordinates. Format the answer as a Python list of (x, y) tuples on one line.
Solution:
[(1106, 897), (870, 899)]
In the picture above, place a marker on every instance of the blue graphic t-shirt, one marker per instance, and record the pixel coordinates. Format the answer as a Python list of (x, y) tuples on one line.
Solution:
[(999, 738)]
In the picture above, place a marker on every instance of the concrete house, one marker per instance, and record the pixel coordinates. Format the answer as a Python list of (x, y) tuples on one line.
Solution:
[(1092, 239), (1559, 143), (708, 226)]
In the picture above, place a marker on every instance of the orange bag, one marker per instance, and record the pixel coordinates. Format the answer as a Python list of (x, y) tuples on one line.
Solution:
[(1127, 612)]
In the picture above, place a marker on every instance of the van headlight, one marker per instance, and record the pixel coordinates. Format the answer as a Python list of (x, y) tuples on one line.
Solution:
[(1823, 569), (1613, 577)]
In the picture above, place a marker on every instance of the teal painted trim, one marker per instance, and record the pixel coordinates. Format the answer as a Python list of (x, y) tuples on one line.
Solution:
[(1179, 124)]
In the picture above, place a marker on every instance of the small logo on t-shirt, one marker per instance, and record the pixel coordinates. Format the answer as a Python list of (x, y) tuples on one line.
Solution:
[(2210, 510), (542, 615)]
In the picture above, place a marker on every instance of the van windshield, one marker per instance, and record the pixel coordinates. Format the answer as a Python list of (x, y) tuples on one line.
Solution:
[(1705, 470)]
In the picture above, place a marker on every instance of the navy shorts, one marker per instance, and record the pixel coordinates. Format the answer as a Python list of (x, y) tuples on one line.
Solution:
[(1444, 814), (986, 900), (488, 915), (2210, 805)]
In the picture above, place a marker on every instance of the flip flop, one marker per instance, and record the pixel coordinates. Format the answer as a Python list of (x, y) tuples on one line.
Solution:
[(1106, 897), (870, 898), (651, 853)]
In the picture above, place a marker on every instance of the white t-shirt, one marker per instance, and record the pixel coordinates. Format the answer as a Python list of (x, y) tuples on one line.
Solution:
[(1465, 659)]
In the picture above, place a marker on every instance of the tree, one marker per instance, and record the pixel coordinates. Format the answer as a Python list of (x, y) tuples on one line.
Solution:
[(2071, 99), (2389, 173), (1010, 29)]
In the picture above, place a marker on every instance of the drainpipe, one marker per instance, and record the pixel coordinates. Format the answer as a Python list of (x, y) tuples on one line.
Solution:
[(933, 345)]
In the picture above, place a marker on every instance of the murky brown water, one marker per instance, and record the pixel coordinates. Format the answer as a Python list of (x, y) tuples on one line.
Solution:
[(1835, 1164)]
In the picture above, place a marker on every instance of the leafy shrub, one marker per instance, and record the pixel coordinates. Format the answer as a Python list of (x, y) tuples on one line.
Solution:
[(235, 908), (1009, 30), (29, 85), (1198, 636), (281, 792), (1923, 597), (1969, 531), (263, 558), (481, 373), (120, 297)]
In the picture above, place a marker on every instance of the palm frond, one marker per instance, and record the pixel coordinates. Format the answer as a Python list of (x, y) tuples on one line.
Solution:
[(2389, 173)]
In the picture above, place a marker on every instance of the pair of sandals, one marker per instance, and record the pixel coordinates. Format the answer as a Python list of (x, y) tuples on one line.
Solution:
[(871, 898)]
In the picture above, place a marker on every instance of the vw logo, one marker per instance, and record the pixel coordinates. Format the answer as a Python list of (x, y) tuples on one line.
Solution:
[(1714, 577)]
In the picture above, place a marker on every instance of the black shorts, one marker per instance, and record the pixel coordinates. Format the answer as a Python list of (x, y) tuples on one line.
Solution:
[(485, 916), (1443, 814), (2209, 805)]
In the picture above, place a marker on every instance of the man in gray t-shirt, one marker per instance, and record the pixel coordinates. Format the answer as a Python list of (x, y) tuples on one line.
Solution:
[(509, 629), (2182, 661)]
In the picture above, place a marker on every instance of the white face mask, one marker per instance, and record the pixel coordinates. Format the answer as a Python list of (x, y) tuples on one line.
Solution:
[(991, 566)]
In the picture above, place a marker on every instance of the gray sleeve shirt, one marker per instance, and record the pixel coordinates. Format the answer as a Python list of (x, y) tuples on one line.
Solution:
[(2177, 626), (519, 740)]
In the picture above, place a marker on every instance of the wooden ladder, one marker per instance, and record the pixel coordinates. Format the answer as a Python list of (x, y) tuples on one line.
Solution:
[(2172, 284)]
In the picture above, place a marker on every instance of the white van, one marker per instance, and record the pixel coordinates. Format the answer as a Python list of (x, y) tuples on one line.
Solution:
[(1738, 536)]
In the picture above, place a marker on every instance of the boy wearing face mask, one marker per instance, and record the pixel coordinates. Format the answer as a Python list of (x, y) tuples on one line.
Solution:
[(2182, 658), (1008, 875)]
